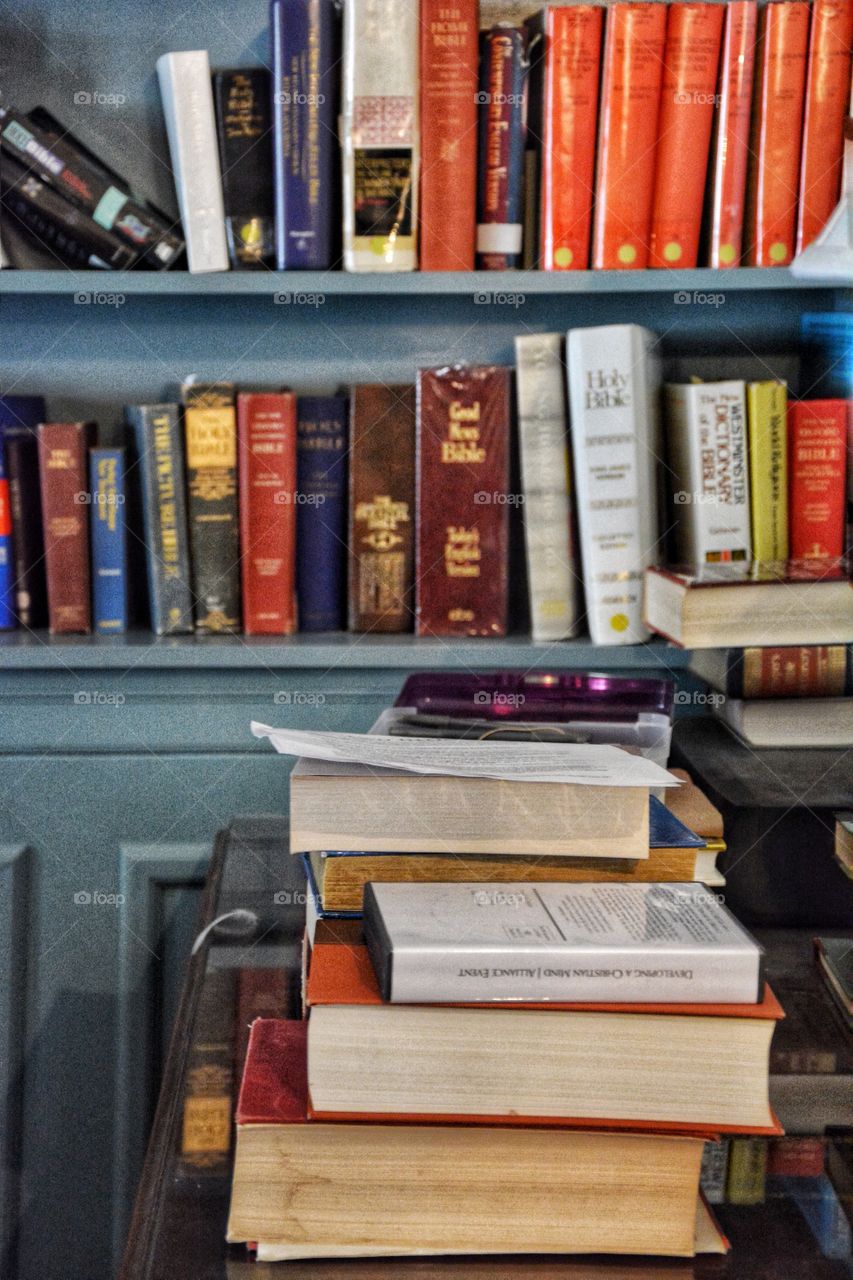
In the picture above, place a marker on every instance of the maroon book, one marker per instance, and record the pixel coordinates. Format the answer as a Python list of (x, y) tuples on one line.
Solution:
[(63, 462), (275, 1077), (261, 993), (463, 416), (266, 439)]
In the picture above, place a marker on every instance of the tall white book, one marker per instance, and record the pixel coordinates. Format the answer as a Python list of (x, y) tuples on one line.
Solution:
[(709, 470), (185, 87), (614, 396), (552, 574), (380, 135)]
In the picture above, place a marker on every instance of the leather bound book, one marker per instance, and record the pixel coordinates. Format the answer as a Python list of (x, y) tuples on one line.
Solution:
[(321, 471), (382, 508), (500, 178), (210, 430), (463, 416), (266, 432), (19, 417), (242, 98), (817, 439), (63, 463)]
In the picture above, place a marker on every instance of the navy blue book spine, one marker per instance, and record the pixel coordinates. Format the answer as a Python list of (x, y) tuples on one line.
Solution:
[(305, 39), (321, 512), (502, 107), (109, 540)]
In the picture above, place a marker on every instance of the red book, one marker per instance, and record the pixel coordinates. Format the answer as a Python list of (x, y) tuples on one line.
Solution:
[(731, 134), (630, 97), (777, 131), (63, 464), (817, 434), (462, 502), (266, 438), (570, 116), (796, 1157), (691, 59), (827, 98), (274, 1089), (261, 993), (448, 190)]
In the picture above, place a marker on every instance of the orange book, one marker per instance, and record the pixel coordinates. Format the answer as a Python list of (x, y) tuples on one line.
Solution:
[(777, 131), (827, 96), (691, 58), (730, 145), (630, 97), (572, 62)]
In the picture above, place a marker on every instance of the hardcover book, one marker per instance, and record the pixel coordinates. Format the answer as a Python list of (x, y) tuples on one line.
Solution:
[(730, 144), (502, 122), (242, 97), (210, 432), (266, 435), (794, 722), (107, 495), (826, 106), (63, 448), (8, 618), (817, 433), (305, 39), (321, 513), (207, 1106), (777, 671), (462, 511), (381, 508), (767, 411), (19, 417)]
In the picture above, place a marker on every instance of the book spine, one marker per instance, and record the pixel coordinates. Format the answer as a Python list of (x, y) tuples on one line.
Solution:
[(109, 540), (462, 501), (614, 389), (791, 671), (627, 134), (210, 431), (209, 1086), (570, 116), (187, 93), (502, 115), (552, 573), (796, 1157), (242, 99), (777, 128), (321, 471), (22, 468), (731, 134), (266, 434), (160, 459), (261, 993), (381, 508), (746, 1172), (827, 98), (448, 199), (712, 1174), (8, 618), (688, 92), (380, 135), (62, 466), (767, 412), (817, 431), (305, 36)]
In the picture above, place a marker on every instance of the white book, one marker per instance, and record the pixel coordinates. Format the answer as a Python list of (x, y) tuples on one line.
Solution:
[(380, 135), (707, 453), (552, 574), (614, 392), (185, 86)]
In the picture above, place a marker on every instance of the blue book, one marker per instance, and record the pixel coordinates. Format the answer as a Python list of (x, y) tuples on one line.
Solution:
[(305, 39), (321, 512), (109, 540)]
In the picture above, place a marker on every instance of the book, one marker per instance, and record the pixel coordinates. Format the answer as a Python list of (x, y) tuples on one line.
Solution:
[(210, 433), (614, 387), (462, 523), (796, 1157), (159, 456), (723, 605), (8, 618), (261, 993), (687, 98), (502, 942), (242, 98), (380, 135), (552, 572), (207, 1106), (746, 1172), (712, 1174), (691, 806), (305, 41), (532, 1063), (777, 127), (571, 74), (707, 454), (767, 426), (187, 93), (835, 963), (266, 443), (19, 417), (448, 115), (730, 135), (381, 508), (627, 134), (321, 479), (817, 435), (843, 848), (359, 807), (320, 1190), (107, 495), (790, 722), (777, 671), (501, 141), (827, 95), (63, 448)]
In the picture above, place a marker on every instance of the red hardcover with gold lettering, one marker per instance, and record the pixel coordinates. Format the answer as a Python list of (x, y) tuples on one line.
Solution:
[(827, 98), (63, 465), (817, 435), (266, 442)]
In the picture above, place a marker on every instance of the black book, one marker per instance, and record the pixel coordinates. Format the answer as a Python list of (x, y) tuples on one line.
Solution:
[(243, 127), (22, 470)]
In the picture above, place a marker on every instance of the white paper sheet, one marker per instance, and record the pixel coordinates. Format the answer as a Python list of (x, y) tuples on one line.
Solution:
[(585, 764)]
